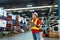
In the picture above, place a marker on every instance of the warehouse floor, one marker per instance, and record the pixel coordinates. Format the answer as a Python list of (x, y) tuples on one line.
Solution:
[(24, 36)]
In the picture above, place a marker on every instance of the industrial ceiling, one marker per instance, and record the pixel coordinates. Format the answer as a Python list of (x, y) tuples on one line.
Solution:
[(24, 3)]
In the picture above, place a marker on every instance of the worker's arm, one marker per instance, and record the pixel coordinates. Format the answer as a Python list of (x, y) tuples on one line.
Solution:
[(38, 23)]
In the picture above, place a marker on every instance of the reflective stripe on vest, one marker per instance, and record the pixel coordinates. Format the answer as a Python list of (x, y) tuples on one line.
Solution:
[(34, 27)]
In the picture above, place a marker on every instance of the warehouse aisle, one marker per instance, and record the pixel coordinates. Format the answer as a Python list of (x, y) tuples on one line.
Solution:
[(21, 36), (24, 36)]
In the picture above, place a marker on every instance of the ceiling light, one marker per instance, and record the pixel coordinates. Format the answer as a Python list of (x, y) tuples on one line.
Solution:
[(54, 12), (23, 14), (29, 5), (31, 10), (43, 13), (20, 11)]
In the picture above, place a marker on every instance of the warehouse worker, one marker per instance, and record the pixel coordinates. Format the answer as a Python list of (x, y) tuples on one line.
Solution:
[(35, 26)]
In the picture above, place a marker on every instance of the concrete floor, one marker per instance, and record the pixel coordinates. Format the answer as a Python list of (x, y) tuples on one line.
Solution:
[(24, 36)]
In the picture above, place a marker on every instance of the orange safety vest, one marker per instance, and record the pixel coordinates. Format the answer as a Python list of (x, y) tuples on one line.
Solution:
[(34, 27)]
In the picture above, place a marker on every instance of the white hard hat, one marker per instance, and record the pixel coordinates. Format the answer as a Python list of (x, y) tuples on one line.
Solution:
[(35, 13)]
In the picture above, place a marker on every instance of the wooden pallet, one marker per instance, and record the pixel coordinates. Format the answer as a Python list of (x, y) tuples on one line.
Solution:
[(54, 34)]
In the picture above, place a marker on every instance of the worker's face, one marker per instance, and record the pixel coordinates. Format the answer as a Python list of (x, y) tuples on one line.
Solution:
[(33, 16)]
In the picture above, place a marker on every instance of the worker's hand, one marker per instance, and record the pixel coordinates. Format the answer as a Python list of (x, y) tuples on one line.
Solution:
[(40, 27)]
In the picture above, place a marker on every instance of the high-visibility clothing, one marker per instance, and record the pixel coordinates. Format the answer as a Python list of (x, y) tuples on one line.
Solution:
[(34, 26)]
